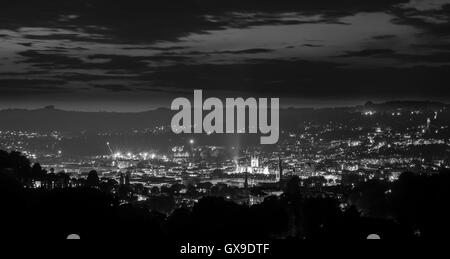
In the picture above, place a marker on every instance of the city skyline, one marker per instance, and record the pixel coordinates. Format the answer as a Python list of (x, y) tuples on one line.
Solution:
[(258, 124)]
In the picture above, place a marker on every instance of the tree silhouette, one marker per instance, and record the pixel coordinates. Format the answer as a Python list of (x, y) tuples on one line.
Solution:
[(37, 173), (62, 180), (422, 202), (92, 179), (293, 186), (16, 162)]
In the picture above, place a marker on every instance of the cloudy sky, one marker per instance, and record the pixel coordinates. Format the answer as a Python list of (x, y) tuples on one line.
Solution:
[(133, 55)]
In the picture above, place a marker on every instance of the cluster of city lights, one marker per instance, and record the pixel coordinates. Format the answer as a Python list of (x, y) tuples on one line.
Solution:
[(132, 156)]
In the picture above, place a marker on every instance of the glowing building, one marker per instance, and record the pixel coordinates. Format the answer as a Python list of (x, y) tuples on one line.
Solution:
[(254, 168)]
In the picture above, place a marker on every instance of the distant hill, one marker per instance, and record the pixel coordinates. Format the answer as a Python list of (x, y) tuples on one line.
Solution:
[(50, 118), (54, 119), (408, 105)]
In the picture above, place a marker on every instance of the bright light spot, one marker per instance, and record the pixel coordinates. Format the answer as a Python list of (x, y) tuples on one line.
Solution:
[(373, 237), (73, 237)]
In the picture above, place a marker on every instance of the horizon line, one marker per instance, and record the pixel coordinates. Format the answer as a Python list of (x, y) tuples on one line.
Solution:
[(287, 107)]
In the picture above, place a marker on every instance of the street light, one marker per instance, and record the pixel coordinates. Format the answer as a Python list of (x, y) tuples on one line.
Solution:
[(192, 150)]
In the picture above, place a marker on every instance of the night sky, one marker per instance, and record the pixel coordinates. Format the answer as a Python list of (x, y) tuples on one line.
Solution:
[(134, 55)]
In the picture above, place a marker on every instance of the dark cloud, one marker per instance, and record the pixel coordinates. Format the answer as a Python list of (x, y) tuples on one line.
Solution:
[(432, 46), (433, 22), (164, 90), (20, 74), (306, 79), (26, 44), (113, 87), (198, 5), (68, 37), (61, 54), (84, 77), (180, 57), (155, 48), (125, 59), (131, 64), (149, 21), (134, 64), (384, 37), (26, 83), (436, 57), (296, 78), (245, 51), (14, 86), (238, 20), (50, 60), (117, 62), (407, 58), (312, 45), (366, 53)]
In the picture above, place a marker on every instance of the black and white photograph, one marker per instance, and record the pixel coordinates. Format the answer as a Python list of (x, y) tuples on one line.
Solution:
[(224, 127)]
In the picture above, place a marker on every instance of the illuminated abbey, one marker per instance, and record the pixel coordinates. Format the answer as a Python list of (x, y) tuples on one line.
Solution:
[(254, 168)]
